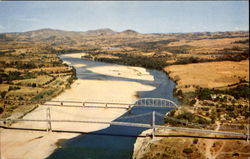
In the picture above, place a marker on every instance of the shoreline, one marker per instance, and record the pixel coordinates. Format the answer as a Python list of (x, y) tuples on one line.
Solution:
[(183, 76), (29, 144)]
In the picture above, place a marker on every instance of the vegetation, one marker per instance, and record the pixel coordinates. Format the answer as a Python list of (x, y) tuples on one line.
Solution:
[(185, 118), (216, 105), (241, 91), (42, 95), (28, 65), (242, 41), (63, 51), (187, 150), (147, 46), (135, 60), (33, 78), (1, 110), (13, 88)]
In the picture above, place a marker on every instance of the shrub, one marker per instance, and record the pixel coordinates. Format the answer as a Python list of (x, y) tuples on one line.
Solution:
[(188, 60), (192, 102), (205, 108), (29, 65), (229, 108), (1, 110), (236, 154), (13, 88), (188, 150), (192, 118), (136, 60), (42, 95), (232, 114), (200, 120), (204, 93), (242, 41), (179, 93), (28, 76), (241, 91), (3, 94), (187, 116), (15, 75), (195, 141)]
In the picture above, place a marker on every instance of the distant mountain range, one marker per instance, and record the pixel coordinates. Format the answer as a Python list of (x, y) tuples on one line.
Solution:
[(105, 31), (55, 36), (52, 34), (42, 32)]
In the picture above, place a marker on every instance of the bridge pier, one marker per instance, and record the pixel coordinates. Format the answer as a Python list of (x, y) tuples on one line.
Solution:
[(49, 128), (153, 125), (248, 131)]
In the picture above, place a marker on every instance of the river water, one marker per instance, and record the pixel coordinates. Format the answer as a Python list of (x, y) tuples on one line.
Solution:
[(115, 142)]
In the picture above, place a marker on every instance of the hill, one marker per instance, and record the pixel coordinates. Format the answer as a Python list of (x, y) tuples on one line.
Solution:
[(129, 32), (105, 31)]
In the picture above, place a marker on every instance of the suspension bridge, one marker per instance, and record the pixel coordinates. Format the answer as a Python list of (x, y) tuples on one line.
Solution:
[(131, 120)]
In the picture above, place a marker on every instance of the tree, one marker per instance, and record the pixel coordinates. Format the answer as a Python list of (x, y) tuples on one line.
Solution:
[(1, 110), (3, 94), (188, 150)]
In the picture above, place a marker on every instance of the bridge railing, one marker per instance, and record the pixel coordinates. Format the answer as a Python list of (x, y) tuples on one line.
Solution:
[(157, 102)]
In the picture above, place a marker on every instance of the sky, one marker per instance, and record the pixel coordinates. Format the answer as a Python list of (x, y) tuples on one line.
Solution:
[(141, 16)]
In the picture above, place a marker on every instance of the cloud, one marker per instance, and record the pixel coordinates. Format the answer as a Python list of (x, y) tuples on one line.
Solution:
[(27, 19), (2, 27), (236, 28)]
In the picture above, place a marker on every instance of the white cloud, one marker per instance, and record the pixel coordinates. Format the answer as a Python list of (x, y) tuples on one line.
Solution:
[(2, 27), (27, 19), (236, 28)]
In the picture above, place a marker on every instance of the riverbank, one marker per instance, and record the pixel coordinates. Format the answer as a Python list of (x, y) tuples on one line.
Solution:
[(121, 85), (221, 88), (179, 146)]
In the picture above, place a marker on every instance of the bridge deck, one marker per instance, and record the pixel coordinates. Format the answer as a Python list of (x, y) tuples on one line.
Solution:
[(132, 125)]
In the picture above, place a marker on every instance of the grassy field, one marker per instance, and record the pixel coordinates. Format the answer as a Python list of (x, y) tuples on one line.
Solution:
[(38, 81), (208, 75)]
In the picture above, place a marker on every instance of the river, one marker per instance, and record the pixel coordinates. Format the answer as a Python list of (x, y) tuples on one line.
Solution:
[(114, 142)]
